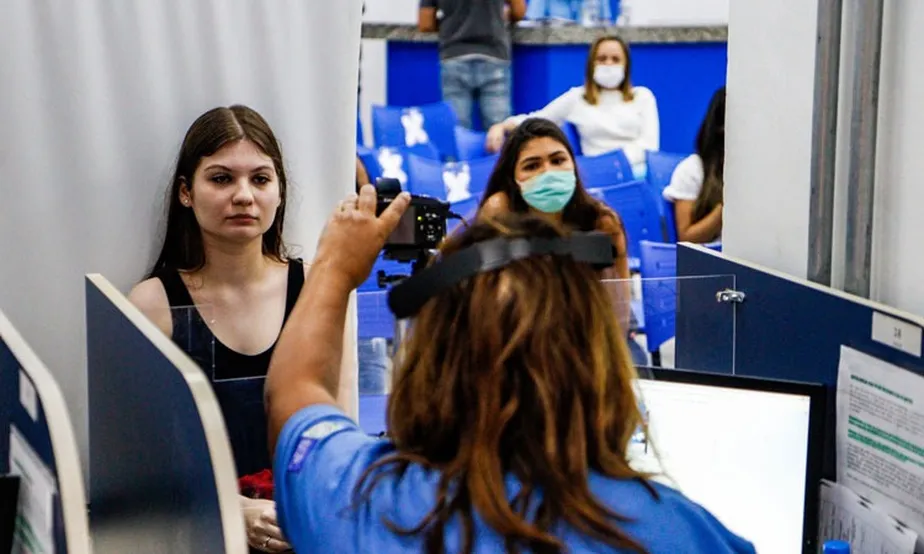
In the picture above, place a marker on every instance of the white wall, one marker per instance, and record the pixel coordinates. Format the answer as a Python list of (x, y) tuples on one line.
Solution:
[(643, 12), (676, 12), (769, 130), (96, 98), (391, 11), (770, 83)]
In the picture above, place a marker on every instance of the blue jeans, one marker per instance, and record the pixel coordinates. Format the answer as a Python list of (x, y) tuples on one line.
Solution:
[(374, 365), (484, 79)]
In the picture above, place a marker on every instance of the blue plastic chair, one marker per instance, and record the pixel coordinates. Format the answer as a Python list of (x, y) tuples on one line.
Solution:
[(394, 162), (469, 178), (452, 181), (670, 219), (410, 126), (659, 294), (573, 136), (605, 170), (661, 167), (470, 144), (636, 205)]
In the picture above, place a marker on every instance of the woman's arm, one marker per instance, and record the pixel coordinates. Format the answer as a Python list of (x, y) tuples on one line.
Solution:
[(650, 139), (706, 229), (556, 111), (348, 391)]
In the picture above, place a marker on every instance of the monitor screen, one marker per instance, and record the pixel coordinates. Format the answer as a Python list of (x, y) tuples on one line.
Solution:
[(745, 449)]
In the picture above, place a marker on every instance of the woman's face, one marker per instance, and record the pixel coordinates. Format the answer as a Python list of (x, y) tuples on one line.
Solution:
[(235, 193), (540, 155), (610, 52)]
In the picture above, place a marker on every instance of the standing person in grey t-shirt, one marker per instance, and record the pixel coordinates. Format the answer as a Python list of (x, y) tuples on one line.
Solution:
[(474, 53)]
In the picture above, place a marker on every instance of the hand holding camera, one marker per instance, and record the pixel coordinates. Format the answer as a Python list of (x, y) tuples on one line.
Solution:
[(355, 234)]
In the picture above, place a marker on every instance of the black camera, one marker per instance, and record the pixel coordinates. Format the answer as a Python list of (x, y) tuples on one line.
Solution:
[(422, 227)]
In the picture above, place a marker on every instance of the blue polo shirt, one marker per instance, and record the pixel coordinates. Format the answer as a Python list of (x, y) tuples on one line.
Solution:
[(321, 454)]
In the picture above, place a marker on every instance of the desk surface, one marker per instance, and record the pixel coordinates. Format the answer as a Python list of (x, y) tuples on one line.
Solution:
[(571, 34)]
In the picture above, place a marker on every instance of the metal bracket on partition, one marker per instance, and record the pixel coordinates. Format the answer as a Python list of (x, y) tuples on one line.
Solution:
[(729, 295)]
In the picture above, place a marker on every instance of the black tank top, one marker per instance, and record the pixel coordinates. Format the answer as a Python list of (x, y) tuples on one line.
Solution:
[(236, 378)]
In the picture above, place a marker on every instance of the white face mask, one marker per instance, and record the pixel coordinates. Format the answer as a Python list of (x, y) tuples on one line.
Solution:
[(609, 76)]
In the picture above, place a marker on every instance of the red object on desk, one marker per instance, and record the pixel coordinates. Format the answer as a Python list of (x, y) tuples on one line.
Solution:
[(257, 485)]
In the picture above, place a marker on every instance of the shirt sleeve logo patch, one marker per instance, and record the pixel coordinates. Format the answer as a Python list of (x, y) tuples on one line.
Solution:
[(312, 436)]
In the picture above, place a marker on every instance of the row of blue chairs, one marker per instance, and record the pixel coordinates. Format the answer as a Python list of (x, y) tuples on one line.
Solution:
[(435, 125)]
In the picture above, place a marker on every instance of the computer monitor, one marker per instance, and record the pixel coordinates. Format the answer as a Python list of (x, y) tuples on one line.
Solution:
[(748, 450)]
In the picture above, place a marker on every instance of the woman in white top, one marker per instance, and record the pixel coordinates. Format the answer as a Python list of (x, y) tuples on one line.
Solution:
[(697, 185), (608, 112)]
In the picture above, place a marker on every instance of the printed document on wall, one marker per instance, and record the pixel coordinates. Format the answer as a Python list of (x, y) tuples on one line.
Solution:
[(34, 532), (880, 436), (843, 515)]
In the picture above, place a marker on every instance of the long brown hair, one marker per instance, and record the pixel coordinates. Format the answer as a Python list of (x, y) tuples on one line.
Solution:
[(710, 146), (182, 248), (591, 88), (540, 390)]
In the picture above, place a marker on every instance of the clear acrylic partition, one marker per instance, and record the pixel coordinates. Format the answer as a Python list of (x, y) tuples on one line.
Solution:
[(375, 342), (192, 331), (677, 322)]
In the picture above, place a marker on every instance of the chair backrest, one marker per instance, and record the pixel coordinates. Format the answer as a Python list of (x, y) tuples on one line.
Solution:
[(661, 167), (573, 137), (394, 162), (425, 176), (637, 208), (453, 181), (605, 170), (659, 292), (410, 126), (470, 144)]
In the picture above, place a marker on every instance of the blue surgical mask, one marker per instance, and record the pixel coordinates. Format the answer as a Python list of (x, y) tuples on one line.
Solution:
[(551, 191)]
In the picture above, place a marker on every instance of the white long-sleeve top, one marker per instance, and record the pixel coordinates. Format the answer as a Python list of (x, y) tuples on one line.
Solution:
[(609, 125)]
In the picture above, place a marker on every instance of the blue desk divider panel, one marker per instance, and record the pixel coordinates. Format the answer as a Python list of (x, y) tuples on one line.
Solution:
[(36, 430), (162, 477), (786, 328)]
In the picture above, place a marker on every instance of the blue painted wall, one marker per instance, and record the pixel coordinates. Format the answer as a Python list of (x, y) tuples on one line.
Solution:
[(682, 77)]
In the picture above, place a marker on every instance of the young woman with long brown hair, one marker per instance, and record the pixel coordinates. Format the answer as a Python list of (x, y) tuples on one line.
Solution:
[(536, 173), (223, 283), (509, 420)]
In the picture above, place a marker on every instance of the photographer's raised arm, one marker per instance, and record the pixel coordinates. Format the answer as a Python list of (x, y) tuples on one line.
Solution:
[(305, 368)]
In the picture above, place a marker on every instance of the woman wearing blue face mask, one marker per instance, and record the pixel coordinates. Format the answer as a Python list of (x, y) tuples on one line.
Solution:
[(536, 174)]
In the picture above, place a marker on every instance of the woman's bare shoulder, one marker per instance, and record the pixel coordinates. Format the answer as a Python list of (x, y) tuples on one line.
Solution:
[(496, 204), (150, 297)]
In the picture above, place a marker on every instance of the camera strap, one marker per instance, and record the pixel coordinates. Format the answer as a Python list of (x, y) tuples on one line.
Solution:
[(408, 297)]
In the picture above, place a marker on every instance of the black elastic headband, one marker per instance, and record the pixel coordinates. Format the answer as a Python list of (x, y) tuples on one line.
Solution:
[(409, 296)]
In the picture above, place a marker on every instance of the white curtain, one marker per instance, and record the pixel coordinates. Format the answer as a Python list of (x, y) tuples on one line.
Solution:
[(95, 96)]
